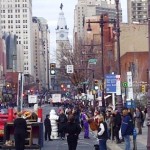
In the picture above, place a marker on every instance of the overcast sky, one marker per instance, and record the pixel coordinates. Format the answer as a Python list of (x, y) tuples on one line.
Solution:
[(49, 9)]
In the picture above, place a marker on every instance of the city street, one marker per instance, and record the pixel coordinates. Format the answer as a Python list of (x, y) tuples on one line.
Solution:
[(83, 144), (88, 144)]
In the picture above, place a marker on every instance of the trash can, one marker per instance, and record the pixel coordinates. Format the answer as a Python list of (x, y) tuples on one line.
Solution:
[(96, 147)]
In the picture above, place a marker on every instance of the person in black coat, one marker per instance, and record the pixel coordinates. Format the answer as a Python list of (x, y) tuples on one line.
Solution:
[(117, 125), (72, 131), (20, 131), (48, 129), (62, 122)]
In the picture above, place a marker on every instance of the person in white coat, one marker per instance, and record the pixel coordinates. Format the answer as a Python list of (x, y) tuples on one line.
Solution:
[(53, 118)]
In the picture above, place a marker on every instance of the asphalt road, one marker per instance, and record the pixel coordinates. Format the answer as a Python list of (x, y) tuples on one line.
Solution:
[(83, 144)]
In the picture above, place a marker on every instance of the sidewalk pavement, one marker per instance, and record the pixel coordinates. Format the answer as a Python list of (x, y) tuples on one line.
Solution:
[(141, 142)]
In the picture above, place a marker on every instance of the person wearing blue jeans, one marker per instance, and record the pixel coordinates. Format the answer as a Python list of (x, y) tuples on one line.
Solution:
[(127, 142), (102, 134), (102, 145), (126, 128)]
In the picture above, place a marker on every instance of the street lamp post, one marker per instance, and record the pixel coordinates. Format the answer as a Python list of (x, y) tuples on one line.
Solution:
[(119, 97), (102, 60), (148, 103), (101, 23)]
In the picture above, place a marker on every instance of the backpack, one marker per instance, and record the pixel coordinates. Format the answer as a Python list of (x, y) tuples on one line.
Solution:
[(130, 126)]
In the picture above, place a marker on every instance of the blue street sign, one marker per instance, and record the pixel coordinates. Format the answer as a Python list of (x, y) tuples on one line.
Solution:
[(110, 83), (130, 104)]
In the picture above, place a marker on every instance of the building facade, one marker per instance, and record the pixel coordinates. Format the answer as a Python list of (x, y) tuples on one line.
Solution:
[(133, 38), (137, 11), (93, 49), (16, 18), (11, 51), (20, 57), (41, 50), (87, 8), (137, 63)]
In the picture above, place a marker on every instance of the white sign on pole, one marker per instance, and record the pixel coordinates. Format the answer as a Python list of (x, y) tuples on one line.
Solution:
[(118, 85), (70, 69), (130, 86)]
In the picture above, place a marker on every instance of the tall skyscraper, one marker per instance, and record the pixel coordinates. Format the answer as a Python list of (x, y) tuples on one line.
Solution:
[(41, 47), (137, 11), (16, 18), (87, 8)]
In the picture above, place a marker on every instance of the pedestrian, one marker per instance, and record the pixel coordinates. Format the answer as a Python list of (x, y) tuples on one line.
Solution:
[(102, 133), (62, 122), (138, 120), (126, 128), (117, 125), (72, 131), (20, 131), (85, 125), (48, 129)]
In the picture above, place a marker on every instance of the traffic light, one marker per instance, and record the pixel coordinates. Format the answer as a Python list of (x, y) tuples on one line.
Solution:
[(52, 68), (143, 88), (96, 84)]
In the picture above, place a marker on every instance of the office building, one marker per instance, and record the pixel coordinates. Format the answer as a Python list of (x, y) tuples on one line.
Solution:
[(87, 8), (137, 11), (41, 48), (16, 18)]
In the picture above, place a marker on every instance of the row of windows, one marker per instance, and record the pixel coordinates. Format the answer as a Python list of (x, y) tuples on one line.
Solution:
[(15, 16), (16, 11), (11, 21), (25, 63), (16, 27), (16, 6), (25, 68)]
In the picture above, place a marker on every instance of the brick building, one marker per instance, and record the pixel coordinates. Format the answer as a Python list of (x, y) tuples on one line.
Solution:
[(92, 44), (137, 62)]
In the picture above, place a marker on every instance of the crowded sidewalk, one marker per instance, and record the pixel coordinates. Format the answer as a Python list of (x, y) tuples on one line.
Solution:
[(141, 141)]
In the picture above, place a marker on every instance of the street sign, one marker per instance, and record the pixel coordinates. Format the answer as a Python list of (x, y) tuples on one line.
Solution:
[(70, 69), (130, 85), (125, 84), (130, 104), (110, 83), (92, 61), (118, 85)]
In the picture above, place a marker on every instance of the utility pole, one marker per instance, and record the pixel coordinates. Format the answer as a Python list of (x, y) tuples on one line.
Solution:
[(148, 102), (102, 60), (119, 96), (101, 22)]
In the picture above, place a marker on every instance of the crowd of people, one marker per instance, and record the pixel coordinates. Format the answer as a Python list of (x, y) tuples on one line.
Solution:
[(108, 124)]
